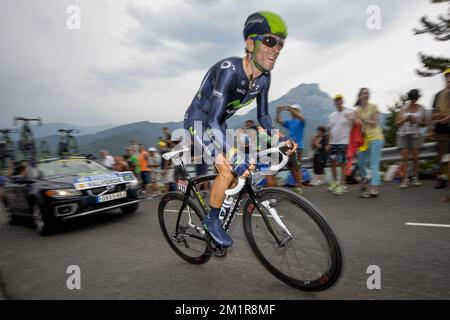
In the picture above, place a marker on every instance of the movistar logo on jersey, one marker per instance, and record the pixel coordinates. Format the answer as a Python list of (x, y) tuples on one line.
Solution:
[(241, 91), (236, 104)]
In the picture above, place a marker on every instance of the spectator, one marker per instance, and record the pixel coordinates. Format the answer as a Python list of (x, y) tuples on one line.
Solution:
[(120, 164), (441, 132), (319, 145), (340, 124), (107, 159), (295, 126), (177, 173), (154, 163), (409, 138), (166, 146), (134, 145), (145, 170), (167, 137), (133, 162), (367, 115)]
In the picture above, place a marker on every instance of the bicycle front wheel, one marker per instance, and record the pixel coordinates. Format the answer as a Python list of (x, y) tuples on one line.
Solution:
[(188, 238), (292, 239), (72, 145)]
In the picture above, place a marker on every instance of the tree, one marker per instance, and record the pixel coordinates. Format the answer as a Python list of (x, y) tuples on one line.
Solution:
[(441, 31), (390, 133)]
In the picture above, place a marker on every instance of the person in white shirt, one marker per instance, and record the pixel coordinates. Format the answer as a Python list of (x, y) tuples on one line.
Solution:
[(154, 163), (107, 160), (340, 124)]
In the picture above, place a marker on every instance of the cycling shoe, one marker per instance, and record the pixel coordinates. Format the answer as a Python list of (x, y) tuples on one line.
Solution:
[(217, 232)]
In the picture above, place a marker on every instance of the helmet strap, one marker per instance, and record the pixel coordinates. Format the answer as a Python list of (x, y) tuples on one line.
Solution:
[(258, 66), (253, 55)]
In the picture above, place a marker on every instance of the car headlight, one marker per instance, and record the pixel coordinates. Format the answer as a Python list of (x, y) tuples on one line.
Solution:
[(63, 193), (133, 183)]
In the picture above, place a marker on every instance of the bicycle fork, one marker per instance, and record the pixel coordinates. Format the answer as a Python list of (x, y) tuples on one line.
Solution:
[(273, 213)]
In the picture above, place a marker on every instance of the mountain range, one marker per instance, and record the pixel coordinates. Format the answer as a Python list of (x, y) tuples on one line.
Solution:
[(316, 106)]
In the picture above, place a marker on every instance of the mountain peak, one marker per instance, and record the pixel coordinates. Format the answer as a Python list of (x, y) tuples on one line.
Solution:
[(306, 89)]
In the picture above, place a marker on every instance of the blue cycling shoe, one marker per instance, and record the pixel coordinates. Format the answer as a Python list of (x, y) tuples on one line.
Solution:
[(216, 231)]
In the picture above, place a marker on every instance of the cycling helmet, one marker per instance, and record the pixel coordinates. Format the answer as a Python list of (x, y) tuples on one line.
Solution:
[(263, 22)]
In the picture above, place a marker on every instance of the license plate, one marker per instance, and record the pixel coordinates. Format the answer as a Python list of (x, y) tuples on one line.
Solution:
[(111, 196)]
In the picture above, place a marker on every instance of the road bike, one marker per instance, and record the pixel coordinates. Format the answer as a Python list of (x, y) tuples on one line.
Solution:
[(287, 233), (27, 144), (7, 150), (68, 144)]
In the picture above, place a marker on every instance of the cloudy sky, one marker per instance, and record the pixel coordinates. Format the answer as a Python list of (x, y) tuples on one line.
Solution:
[(134, 60)]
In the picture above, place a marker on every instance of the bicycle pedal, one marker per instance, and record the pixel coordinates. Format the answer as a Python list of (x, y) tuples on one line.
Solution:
[(216, 249), (219, 251)]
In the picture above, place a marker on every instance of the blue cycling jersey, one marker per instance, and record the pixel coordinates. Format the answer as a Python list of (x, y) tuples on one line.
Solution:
[(224, 90)]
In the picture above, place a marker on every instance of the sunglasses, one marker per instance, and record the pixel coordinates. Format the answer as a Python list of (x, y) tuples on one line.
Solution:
[(270, 41)]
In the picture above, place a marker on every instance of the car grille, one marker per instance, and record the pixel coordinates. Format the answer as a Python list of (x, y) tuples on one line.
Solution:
[(105, 190)]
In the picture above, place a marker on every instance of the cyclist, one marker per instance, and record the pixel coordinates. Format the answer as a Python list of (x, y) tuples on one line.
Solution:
[(229, 85)]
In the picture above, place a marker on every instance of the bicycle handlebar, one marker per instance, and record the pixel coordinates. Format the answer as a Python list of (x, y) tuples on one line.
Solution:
[(68, 130), (16, 119), (174, 155), (237, 189), (273, 169), (276, 168)]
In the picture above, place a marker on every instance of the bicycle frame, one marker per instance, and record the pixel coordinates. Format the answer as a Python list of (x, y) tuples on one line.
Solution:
[(64, 140), (229, 217)]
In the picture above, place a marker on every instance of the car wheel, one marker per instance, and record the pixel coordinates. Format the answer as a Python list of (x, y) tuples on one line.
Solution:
[(42, 222), (130, 209)]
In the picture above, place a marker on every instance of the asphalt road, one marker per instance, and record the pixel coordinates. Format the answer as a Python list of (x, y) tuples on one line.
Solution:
[(126, 256)]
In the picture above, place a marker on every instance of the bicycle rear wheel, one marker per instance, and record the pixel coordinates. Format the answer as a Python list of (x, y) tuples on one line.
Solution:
[(188, 240), (309, 257)]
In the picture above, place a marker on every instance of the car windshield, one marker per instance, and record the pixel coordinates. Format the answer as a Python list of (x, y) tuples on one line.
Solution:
[(69, 167)]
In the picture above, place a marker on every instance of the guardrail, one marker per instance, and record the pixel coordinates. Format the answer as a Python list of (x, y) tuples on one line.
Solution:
[(427, 151)]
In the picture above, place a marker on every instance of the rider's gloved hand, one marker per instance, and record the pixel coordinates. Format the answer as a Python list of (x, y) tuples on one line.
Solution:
[(240, 163)]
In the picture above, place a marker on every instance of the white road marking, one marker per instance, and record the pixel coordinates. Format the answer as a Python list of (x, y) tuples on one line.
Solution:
[(427, 225)]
